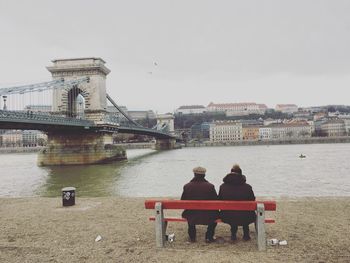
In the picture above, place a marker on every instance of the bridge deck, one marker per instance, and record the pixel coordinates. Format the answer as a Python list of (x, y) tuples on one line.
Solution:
[(27, 120)]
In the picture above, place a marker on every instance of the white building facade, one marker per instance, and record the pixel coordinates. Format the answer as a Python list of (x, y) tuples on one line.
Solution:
[(237, 109), (333, 128), (291, 131), (38, 108), (32, 138), (225, 131), (286, 108), (191, 109), (26, 138), (347, 125), (284, 131), (12, 138), (265, 133)]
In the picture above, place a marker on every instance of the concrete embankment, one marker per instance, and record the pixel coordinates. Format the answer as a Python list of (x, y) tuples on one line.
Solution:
[(315, 140), (137, 145), (151, 145), (20, 149), (143, 145)]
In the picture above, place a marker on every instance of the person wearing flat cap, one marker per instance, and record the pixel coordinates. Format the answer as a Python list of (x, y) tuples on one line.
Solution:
[(236, 188), (200, 189)]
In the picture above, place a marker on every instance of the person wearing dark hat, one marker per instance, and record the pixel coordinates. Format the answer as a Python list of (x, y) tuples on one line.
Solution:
[(236, 188), (200, 189), (237, 169)]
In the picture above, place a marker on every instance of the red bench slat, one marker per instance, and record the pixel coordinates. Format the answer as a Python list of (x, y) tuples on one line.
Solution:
[(211, 205), (177, 219)]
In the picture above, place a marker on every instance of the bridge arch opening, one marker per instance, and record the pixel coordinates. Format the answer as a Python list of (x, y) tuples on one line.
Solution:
[(76, 103)]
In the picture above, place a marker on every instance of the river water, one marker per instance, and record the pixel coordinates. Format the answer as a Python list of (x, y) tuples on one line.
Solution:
[(271, 170)]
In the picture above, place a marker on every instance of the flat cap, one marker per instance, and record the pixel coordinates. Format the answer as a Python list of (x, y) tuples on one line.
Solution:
[(199, 170)]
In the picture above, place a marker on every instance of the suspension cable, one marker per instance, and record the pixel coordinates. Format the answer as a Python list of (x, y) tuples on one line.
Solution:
[(41, 86), (121, 111)]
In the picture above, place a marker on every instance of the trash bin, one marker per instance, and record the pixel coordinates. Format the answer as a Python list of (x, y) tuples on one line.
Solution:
[(68, 196)]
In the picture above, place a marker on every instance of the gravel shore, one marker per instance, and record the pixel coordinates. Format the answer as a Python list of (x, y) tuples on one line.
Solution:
[(41, 230)]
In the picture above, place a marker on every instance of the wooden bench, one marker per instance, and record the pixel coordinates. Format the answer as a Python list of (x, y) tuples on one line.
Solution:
[(161, 222)]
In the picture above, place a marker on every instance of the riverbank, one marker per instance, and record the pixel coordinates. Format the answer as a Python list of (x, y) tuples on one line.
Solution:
[(41, 230), (20, 149), (141, 145), (137, 145), (312, 140), (151, 145)]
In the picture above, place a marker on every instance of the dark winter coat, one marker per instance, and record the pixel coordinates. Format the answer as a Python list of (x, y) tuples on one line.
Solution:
[(235, 188), (199, 189)]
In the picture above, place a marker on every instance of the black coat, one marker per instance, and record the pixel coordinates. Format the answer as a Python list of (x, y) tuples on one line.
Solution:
[(199, 189), (235, 188)]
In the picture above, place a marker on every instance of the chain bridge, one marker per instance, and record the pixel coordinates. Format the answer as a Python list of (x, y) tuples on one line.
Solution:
[(74, 110)]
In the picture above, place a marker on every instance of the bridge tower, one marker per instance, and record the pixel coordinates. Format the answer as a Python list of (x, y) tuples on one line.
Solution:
[(165, 122), (88, 100), (88, 97)]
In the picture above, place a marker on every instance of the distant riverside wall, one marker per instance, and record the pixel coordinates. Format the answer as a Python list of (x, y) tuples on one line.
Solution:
[(312, 140), (20, 149), (143, 145), (150, 145), (137, 145)]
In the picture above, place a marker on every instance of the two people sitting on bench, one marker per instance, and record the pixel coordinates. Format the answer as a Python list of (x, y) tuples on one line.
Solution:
[(233, 188)]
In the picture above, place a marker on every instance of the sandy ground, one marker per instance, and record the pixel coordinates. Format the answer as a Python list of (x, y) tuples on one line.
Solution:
[(41, 230)]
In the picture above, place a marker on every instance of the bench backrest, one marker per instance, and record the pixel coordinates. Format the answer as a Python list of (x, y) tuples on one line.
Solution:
[(211, 205)]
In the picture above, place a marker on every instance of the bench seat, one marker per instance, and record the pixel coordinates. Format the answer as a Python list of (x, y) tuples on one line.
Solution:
[(180, 219)]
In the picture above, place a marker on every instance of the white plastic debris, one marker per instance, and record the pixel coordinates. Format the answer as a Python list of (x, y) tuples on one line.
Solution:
[(98, 238), (171, 237), (283, 243)]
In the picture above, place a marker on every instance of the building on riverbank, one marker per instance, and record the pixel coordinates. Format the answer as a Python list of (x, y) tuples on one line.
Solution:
[(333, 128), (190, 109), (39, 108), (250, 132), (287, 108), (225, 131), (12, 138), (265, 133), (200, 131), (25, 138), (290, 130), (237, 109), (136, 115)]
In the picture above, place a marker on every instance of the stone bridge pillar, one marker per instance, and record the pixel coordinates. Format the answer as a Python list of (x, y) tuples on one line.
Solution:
[(80, 147), (165, 122), (165, 144), (88, 100)]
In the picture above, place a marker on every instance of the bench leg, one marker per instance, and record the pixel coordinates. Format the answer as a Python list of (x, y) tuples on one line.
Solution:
[(165, 226), (256, 226), (260, 226), (160, 225)]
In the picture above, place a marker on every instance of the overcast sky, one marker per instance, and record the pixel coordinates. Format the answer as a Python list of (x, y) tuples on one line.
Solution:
[(221, 51)]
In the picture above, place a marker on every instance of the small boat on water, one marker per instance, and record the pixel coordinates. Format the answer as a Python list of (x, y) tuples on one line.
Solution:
[(302, 156)]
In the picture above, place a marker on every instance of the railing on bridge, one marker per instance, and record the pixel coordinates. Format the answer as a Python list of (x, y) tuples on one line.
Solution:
[(15, 101), (42, 118)]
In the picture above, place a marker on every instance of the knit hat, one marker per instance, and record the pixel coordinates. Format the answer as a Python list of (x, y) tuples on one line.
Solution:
[(199, 170), (236, 169)]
